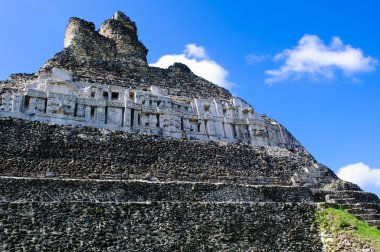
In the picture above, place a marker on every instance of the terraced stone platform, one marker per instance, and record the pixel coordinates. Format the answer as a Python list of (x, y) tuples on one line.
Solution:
[(51, 214), (33, 149), (84, 214)]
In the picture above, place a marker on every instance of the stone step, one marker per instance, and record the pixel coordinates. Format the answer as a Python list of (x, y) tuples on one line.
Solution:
[(366, 217), (367, 212), (366, 205), (374, 223), (341, 200), (360, 210), (337, 197)]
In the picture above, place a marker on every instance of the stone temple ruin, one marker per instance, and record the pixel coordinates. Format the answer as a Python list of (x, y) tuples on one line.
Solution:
[(100, 151), (141, 104)]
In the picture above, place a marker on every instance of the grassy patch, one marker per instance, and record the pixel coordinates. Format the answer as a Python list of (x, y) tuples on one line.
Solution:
[(323, 186), (334, 220)]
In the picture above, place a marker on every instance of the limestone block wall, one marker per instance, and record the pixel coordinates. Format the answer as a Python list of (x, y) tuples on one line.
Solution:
[(55, 214), (33, 149), (158, 226)]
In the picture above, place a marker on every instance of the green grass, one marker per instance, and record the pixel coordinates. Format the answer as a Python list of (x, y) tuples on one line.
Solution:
[(323, 186), (334, 220)]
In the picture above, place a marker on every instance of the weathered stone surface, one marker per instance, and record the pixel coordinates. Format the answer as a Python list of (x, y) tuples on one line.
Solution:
[(163, 226), (346, 242), (114, 56), (340, 185)]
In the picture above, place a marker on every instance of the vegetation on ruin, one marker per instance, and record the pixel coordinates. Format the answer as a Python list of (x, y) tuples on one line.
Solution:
[(338, 221)]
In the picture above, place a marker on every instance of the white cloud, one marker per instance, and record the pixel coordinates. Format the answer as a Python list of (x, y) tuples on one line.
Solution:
[(360, 174), (252, 59), (313, 58), (196, 58), (196, 51)]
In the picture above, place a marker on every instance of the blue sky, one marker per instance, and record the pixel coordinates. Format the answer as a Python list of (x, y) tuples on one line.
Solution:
[(331, 105)]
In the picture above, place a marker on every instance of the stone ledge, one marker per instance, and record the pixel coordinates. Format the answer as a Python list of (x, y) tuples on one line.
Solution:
[(87, 190), (56, 190)]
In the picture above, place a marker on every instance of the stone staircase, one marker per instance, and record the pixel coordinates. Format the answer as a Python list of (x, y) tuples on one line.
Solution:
[(368, 212)]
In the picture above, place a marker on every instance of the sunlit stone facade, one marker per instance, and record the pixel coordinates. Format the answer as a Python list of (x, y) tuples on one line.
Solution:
[(57, 98)]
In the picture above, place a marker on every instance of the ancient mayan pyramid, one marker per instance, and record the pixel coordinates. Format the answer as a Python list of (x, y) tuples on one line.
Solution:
[(101, 152)]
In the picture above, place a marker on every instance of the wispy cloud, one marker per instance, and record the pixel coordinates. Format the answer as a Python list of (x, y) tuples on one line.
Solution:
[(196, 58), (361, 174), (311, 57), (253, 59)]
